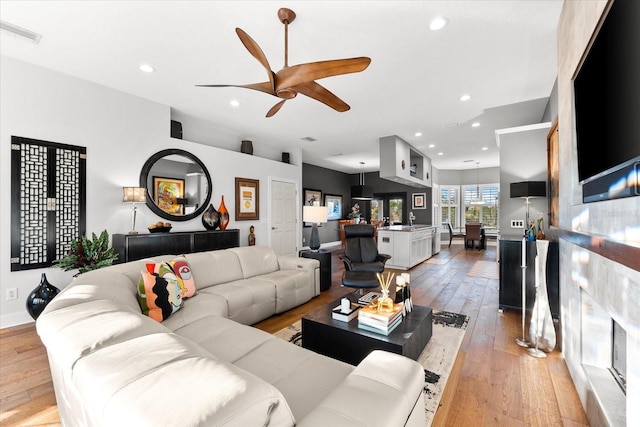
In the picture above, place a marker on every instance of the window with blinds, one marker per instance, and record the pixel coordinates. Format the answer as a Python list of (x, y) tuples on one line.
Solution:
[(487, 211), (449, 205)]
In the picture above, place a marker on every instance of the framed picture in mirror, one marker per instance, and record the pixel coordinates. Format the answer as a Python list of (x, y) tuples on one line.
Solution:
[(166, 192)]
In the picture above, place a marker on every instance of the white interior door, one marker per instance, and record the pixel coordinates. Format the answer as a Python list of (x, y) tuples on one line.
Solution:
[(284, 198)]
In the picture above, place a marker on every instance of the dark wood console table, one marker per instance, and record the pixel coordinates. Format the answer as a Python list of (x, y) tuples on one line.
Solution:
[(131, 247)]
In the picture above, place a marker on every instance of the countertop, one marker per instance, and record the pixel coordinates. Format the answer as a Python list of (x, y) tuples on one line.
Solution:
[(413, 227)]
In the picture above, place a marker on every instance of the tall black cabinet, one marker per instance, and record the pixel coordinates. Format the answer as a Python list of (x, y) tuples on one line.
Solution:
[(511, 275)]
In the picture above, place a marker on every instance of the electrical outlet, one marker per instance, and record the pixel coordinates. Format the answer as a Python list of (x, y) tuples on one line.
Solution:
[(12, 293), (517, 223), (304, 240)]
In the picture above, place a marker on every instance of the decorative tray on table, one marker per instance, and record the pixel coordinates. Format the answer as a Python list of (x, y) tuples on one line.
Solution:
[(160, 227)]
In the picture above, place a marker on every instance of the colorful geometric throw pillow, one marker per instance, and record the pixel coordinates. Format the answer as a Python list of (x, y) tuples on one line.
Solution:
[(182, 269), (159, 296)]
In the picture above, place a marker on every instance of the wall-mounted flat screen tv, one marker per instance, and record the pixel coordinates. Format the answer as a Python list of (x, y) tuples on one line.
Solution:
[(607, 106)]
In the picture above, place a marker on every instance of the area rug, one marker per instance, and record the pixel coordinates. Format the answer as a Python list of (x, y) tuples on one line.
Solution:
[(486, 269), (437, 358)]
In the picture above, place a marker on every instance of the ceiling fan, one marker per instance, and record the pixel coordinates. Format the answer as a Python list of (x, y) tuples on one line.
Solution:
[(290, 81)]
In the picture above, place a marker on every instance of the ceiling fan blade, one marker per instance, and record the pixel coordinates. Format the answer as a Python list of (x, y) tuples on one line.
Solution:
[(257, 53), (275, 108), (322, 94), (262, 87), (303, 73)]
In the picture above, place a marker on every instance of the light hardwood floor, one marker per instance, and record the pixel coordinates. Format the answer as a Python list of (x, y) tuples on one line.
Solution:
[(493, 383)]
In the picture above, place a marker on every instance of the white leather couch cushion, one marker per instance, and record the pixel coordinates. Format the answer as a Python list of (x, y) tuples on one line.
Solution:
[(304, 378), (174, 383), (383, 382), (256, 260), (214, 267)]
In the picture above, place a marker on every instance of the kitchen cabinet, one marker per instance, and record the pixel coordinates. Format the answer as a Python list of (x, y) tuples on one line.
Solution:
[(407, 245)]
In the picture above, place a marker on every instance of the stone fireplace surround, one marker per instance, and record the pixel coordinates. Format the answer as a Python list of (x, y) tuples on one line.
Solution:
[(599, 252), (596, 290)]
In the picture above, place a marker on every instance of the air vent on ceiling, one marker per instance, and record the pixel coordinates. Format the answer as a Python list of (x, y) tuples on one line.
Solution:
[(308, 138), (21, 32)]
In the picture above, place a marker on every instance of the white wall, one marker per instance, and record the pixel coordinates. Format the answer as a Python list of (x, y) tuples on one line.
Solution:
[(523, 157), (120, 132)]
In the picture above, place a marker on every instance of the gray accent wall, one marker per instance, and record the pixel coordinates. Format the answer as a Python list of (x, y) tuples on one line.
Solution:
[(339, 183)]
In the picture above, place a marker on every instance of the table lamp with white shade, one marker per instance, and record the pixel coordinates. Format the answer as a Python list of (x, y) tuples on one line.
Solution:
[(133, 195), (314, 215)]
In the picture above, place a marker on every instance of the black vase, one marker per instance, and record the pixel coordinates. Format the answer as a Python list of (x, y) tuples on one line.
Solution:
[(40, 297), (211, 218)]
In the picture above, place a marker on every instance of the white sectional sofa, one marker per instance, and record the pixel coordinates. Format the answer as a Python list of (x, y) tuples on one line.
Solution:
[(204, 365)]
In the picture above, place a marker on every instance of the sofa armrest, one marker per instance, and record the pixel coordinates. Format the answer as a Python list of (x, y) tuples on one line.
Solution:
[(310, 265), (381, 391)]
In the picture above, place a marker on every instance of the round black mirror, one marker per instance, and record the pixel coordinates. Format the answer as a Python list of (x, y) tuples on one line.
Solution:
[(178, 184)]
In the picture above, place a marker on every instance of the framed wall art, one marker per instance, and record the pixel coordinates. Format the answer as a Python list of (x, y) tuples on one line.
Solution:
[(334, 206), (553, 167), (166, 191), (312, 197), (419, 201), (247, 199)]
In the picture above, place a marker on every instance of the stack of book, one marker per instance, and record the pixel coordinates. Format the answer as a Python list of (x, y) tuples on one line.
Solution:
[(370, 319)]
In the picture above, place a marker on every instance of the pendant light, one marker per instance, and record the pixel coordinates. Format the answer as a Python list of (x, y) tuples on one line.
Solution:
[(478, 199), (361, 191)]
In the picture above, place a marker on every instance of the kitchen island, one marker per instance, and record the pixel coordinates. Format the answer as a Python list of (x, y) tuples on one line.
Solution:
[(408, 245)]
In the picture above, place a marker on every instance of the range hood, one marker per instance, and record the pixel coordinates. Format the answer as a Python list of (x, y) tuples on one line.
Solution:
[(404, 164), (361, 192)]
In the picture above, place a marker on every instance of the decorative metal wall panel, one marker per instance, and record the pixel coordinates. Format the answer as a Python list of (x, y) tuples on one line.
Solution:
[(48, 211)]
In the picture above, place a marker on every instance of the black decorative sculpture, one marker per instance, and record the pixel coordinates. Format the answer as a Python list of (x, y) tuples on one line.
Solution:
[(40, 297), (211, 218)]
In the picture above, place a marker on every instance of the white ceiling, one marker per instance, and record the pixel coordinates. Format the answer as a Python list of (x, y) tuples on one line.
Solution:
[(502, 53)]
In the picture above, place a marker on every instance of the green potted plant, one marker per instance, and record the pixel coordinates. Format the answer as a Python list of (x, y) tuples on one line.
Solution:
[(87, 255)]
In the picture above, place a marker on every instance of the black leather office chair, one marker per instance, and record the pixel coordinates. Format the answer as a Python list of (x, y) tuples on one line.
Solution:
[(361, 250)]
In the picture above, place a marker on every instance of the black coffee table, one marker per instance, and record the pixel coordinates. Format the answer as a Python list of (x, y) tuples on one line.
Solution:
[(345, 341)]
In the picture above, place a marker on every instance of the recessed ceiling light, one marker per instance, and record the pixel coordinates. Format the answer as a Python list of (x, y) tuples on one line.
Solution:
[(418, 134), (432, 145), (475, 124), (440, 153), (484, 148), (147, 68), (438, 23), (234, 103), (465, 97)]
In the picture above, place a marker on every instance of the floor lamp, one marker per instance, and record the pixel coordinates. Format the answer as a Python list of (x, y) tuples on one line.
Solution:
[(526, 190), (314, 215)]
